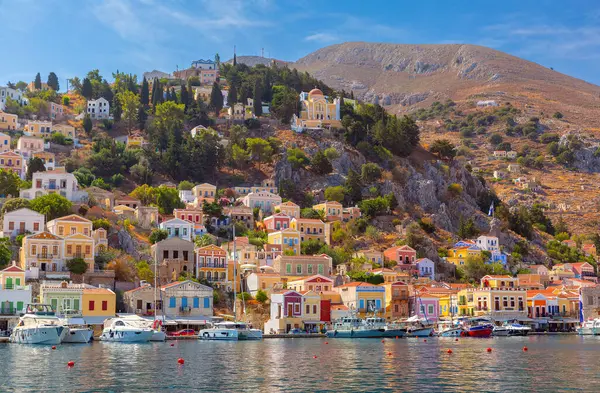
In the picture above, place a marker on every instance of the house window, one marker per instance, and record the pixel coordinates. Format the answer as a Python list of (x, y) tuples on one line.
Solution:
[(175, 254), (73, 231), (165, 254), (206, 302), (320, 269), (33, 250), (172, 302), (308, 309), (310, 269), (430, 309), (36, 226), (104, 305), (298, 269), (296, 308), (69, 249), (91, 305), (361, 304), (61, 230), (11, 225), (314, 309), (88, 250), (288, 267)]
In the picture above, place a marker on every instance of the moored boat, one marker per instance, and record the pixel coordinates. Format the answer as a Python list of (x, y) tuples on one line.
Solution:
[(482, 330), (125, 331), (419, 332), (516, 329), (354, 327), (451, 332), (219, 332), (39, 325), (586, 328), (78, 335), (501, 331)]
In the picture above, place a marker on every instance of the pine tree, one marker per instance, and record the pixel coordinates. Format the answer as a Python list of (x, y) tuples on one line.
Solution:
[(232, 97), (86, 89), (38, 82), (234, 60), (185, 98), (217, 61), (353, 188), (156, 94), (257, 98), (53, 81), (142, 117), (216, 98), (117, 109), (144, 94)]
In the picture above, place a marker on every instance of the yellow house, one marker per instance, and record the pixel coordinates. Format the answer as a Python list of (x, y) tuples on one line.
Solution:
[(43, 251), (316, 111), (311, 314), (70, 225), (40, 129), (135, 142), (499, 281), (497, 303), (288, 238), (458, 255), (12, 277), (389, 275), (4, 142), (333, 210), (310, 229), (204, 192), (80, 246), (98, 302), (289, 208), (68, 131), (8, 121)]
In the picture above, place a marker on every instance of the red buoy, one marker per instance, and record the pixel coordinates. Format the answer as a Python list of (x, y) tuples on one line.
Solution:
[(70, 363), (425, 340), (180, 361), (314, 357), (54, 347), (456, 339), (396, 337), (489, 350), (389, 354), (449, 351), (172, 345), (525, 349), (382, 341)]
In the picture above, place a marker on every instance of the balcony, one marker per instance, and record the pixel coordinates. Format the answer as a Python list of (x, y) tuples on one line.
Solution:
[(8, 311), (46, 256), (13, 287)]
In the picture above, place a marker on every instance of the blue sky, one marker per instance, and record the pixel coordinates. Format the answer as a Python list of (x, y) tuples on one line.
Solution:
[(71, 37)]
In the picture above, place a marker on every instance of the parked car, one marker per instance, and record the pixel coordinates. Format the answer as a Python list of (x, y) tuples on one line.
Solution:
[(184, 332)]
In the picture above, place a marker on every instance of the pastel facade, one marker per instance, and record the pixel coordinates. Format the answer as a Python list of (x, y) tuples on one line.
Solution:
[(289, 208), (48, 158), (98, 109), (265, 186), (66, 130), (426, 268), (85, 299), (174, 257), (265, 201), (14, 94), (286, 312), (402, 255), (14, 294), (276, 222), (8, 122), (27, 145), (362, 297), (204, 192), (56, 181), (333, 210), (4, 142), (56, 111), (499, 281), (176, 227), (241, 214), (212, 265), (303, 265), (373, 256), (195, 216), (316, 112), (11, 161), (427, 307), (289, 239), (40, 129), (267, 282), (310, 229), (22, 221), (316, 283), (98, 302), (42, 251), (187, 298), (501, 304), (458, 255), (397, 300)]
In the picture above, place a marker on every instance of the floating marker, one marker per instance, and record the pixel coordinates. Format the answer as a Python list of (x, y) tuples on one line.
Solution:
[(456, 339), (180, 361), (396, 337), (326, 342), (314, 357), (489, 350), (389, 354), (70, 363), (172, 345), (382, 341), (449, 351), (54, 347), (525, 349), (425, 340)]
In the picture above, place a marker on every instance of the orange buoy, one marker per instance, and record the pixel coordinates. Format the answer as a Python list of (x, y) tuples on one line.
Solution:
[(525, 349), (70, 363), (180, 361), (396, 337), (489, 350), (449, 351), (54, 347), (382, 341)]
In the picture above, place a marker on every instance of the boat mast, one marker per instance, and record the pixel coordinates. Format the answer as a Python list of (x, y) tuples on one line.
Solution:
[(234, 272), (155, 281)]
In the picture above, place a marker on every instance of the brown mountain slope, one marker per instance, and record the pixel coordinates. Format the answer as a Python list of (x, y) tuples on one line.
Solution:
[(400, 76)]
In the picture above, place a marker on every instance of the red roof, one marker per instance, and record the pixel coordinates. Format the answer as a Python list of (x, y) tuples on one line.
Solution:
[(13, 269)]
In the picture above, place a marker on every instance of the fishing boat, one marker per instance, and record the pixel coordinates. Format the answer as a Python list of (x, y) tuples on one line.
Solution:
[(419, 331), (39, 325), (387, 330), (587, 328), (354, 327), (481, 330), (125, 330), (451, 332)]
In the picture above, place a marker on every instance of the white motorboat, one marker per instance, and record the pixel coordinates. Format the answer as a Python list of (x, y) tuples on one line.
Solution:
[(39, 326), (126, 331), (158, 334), (500, 331), (78, 335), (219, 332), (245, 332), (586, 328), (516, 329)]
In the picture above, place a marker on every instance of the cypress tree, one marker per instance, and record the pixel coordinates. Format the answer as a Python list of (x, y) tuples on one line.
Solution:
[(232, 96), (234, 60), (216, 98), (144, 94), (173, 95), (38, 82), (352, 188), (86, 89), (257, 98), (142, 116), (116, 108), (185, 98), (53, 81)]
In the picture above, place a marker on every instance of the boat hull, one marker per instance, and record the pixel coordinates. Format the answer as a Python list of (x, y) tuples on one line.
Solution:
[(44, 335), (421, 332), (126, 336), (250, 334), (480, 331), (451, 333), (158, 335), (391, 333), (78, 336), (219, 334), (358, 333), (585, 331), (501, 332)]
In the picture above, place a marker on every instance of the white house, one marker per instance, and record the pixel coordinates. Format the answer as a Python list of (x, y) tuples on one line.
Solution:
[(99, 109), (7, 92), (178, 227), (265, 201), (56, 181), (488, 243), (27, 145), (187, 298), (426, 268), (484, 104), (21, 221), (14, 295), (186, 196)]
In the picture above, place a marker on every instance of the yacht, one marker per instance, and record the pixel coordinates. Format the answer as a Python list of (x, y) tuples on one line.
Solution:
[(158, 334), (220, 332), (245, 332), (125, 330), (501, 331), (516, 329), (586, 328), (78, 332), (39, 325)]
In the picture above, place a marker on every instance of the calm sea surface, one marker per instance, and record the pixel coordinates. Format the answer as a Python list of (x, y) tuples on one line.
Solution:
[(567, 363)]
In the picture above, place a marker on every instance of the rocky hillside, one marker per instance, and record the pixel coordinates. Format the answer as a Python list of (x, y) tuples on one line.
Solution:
[(400, 76)]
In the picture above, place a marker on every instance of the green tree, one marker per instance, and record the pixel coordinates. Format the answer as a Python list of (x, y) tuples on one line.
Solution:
[(261, 296), (216, 98), (86, 89), (204, 240), (9, 183), (310, 246), (130, 105), (51, 205), (66, 101), (259, 150), (144, 272), (14, 204), (320, 164), (21, 86), (77, 265), (467, 228), (36, 164), (5, 252), (474, 268), (284, 104), (297, 158), (232, 97), (38, 82), (145, 93), (331, 153), (353, 188), (87, 124), (370, 172), (53, 81), (335, 193), (443, 148), (157, 235), (101, 223), (167, 199), (257, 98), (185, 185), (239, 156), (557, 115)]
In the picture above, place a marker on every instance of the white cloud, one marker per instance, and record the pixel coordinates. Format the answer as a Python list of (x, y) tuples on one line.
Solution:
[(323, 38)]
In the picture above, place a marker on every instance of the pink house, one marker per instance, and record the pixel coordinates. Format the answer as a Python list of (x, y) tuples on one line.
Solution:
[(401, 255), (426, 307), (277, 222), (192, 215)]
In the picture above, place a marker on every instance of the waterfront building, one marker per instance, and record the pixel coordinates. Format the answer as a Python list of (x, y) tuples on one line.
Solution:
[(213, 266), (95, 303), (501, 304), (14, 295), (317, 283), (426, 306), (187, 298), (174, 257), (22, 221), (362, 297), (42, 251), (285, 312), (397, 300)]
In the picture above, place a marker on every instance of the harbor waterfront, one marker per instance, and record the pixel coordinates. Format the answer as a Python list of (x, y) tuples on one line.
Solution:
[(293, 365)]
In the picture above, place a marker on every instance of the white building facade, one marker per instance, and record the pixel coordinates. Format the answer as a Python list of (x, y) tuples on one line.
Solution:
[(98, 109), (56, 181)]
